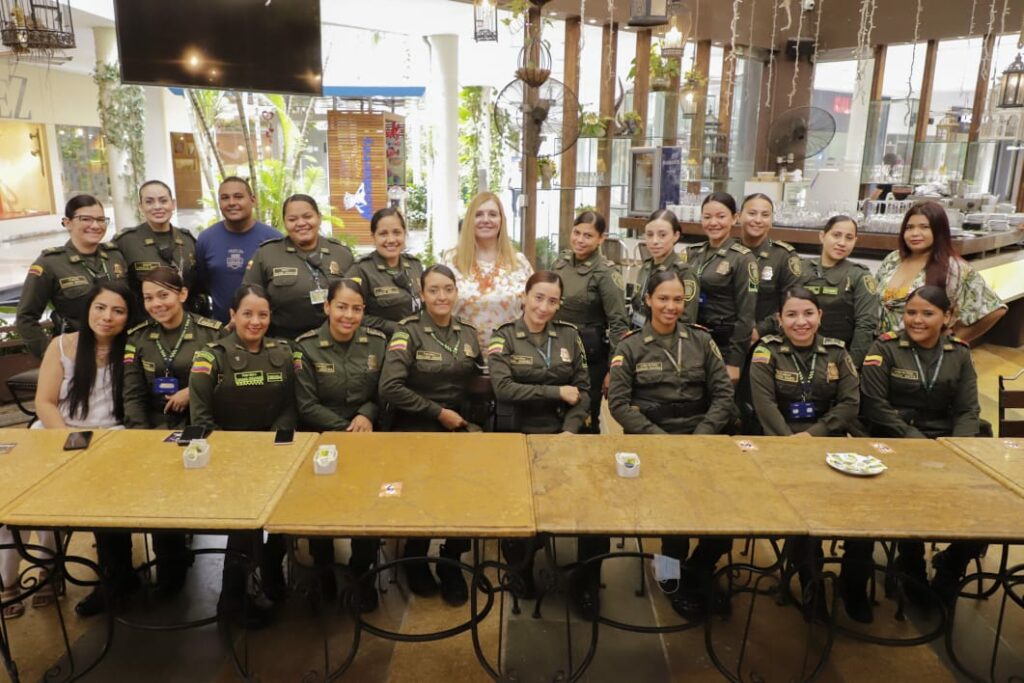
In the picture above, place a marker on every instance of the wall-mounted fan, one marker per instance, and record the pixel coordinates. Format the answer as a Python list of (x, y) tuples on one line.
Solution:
[(513, 113), (800, 133)]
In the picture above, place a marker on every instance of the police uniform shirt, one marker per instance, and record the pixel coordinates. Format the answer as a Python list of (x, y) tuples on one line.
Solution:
[(728, 278), (145, 361), (233, 389), (593, 295), (781, 269), (823, 375), (848, 296), (934, 394), (527, 369), (145, 250), (428, 368), (290, 275), (685, 369), (62, 276), (691, 288), (336, 381), (390, 293)]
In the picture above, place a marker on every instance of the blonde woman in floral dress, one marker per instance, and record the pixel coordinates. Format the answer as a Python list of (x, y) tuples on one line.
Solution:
[(491, 273)]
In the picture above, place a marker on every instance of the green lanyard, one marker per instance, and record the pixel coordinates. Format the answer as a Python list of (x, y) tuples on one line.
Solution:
[(454, 349), (805, 381), (925, 384), (546, 355), (96, 275), (676, 362), (169, 357)]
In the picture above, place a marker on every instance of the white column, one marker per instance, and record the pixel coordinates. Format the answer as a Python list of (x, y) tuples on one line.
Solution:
[(125, 200), (443, 112), (157, 141)]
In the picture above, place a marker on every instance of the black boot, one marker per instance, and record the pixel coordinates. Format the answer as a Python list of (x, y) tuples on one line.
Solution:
[(235, 604), (519, 554), (855, 599), (949, 571), (585, 590), (914, 580), (417, 574), (453, 584)]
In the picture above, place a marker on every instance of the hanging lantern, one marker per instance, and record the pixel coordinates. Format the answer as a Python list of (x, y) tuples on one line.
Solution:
[(1013, 85), (37, 28), (680, 22), (647, 13), (534, 62), (948, 127), (485, 21)]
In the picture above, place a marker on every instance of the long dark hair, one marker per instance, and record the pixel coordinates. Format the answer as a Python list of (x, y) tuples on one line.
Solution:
[(84, 376), (937, 269)]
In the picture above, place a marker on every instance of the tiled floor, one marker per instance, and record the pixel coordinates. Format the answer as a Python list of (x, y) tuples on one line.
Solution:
[(534, 649)]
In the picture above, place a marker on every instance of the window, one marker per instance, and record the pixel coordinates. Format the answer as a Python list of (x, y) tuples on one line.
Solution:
[(83, 161), (24, 177)]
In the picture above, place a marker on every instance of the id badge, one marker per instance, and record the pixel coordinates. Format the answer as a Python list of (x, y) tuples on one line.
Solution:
[(802, 410), (639, 319), (317, 297), (165, 385)]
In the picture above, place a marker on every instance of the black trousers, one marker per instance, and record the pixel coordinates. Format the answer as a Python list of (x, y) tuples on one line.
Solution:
[(114, 554), (597, 350), (364, 553)]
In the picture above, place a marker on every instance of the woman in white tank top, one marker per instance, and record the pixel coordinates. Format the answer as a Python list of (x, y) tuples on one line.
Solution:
[(79, 387)]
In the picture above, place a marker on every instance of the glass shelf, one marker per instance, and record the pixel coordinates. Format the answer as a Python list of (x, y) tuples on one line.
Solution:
[(938, 161), (889, 142)]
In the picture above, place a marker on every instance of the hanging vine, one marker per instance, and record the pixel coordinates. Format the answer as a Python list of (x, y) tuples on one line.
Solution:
[(771, 56), (864, 31), (796, 65), (123, 123), (913, 58), (986, 51)]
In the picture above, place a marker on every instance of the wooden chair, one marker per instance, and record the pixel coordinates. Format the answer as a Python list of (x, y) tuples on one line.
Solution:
[(1010, 399)]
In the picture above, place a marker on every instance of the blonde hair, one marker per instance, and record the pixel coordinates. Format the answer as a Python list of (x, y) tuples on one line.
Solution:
[(465, 250)]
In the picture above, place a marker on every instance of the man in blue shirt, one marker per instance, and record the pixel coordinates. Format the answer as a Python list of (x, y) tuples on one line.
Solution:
[(224, 248)]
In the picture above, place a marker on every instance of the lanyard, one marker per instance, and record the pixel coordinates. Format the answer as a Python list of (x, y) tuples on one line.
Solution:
[(805, 382), (925, 384), (546, 355), (316, 271), (705, 263), (167, 253), (676, 362), (169, 357), (454, 350), (96, 275)]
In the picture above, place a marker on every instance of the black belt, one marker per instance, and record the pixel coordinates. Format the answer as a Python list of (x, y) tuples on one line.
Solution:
[(666, 411), (914, 415)]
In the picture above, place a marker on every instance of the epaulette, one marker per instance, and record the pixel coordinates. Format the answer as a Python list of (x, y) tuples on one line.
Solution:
[(829, 341), (888, 336), (785, 245), (698, 326), (409, 318), (504, 325), (50, 251), (186, 231), (279, 238), (958, 340), (366, 257), (466, 323), (124, 231), (334, 240), (306, 335), (109, 246), (736, 246), (140, 326), (373, 332), (773, 338), (629, 334), (567, 324), (272, 343), (411, 257), (208, 322)]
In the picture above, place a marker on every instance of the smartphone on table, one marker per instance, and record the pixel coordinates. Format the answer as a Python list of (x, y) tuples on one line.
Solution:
[(284, 436), (77, 441), (192, 432)]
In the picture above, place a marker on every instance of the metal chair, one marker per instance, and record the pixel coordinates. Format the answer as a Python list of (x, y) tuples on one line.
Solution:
[(23, 389), (1010, 399)]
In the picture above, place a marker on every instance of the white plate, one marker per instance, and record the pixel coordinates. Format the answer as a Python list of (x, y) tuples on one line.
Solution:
[(855, 464)]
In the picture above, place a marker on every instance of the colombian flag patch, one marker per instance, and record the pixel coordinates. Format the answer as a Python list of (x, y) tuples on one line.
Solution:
[(496, 345), (36, 270), (616, 361), (761, 355), (129, 354), (872, 360), (202, 367), (297, 360)]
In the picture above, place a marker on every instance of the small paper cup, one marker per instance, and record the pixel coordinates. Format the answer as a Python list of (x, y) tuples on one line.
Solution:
[(627, 465), (196, 454)]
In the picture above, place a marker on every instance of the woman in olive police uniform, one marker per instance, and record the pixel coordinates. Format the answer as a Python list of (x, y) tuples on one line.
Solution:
[(780, 266), (918, 383), (593, 302), (296, 270), (430, 362), (669, 378), (156, 242), (803, 384), (157, 360), (728, 276), (846, 290), (389, 277), (63, 275), (541, 382), (245, 382), (337, 368), (661, 233)]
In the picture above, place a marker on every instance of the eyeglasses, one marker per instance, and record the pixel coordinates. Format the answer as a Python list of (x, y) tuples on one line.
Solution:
[(92, 220)]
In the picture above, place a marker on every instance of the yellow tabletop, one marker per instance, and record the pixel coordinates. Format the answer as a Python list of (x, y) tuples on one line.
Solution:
[(693, 485), (133, 479), (35, 455), (468, 485), (928, 491), (1003, 459)]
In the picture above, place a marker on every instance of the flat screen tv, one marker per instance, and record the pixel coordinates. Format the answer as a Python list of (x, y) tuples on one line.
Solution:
[(249, 45)]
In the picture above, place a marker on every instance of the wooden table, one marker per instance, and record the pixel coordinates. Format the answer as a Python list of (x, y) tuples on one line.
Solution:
[(692, 485), (132, 479), (1003, 459), (38, 453), (458, 485), (928, 492)]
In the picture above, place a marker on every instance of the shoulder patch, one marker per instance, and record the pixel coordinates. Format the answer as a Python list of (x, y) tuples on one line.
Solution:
[(785, 245), (306, 335), (109, 246), (53, 250), (140, 326), (566, 324), (736, 246), (697, 326), (888, 336), (466, 323), (869, 283), (124, 231), (872, 360), (829, 341), (774, 338), (408, 319), (762, 354)]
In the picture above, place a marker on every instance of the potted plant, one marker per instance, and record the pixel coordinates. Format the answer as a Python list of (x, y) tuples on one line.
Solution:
[(692, 87), (662, 69), (546, 169), (592, 125), (631, 124)]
